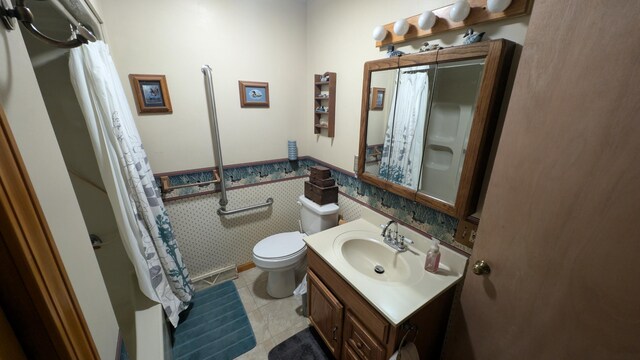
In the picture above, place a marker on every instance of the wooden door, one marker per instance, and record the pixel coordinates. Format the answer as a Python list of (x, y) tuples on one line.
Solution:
[(325, 313), (37, 297), (559, 221)]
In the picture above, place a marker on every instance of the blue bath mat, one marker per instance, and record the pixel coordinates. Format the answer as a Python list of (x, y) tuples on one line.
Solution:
[(216, 326)]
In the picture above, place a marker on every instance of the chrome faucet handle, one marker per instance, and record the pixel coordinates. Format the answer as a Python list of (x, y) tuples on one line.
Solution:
[(406, 240), (403, 241)]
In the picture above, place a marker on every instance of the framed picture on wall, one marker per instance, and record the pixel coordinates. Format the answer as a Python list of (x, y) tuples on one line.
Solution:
[(377, 99), (254, 94), (151, 93)]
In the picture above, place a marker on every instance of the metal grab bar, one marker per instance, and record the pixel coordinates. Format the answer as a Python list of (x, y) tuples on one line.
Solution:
[(217, 150), (215, 133), (222, 211)]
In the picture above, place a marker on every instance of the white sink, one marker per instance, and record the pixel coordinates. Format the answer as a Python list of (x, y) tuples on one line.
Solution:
[(366, 253), (355, 248)]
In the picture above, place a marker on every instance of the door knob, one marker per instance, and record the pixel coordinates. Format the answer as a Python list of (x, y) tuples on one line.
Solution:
[(481, 267)]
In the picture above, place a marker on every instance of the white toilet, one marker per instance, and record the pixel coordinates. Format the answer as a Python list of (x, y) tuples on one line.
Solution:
[(280, 254)]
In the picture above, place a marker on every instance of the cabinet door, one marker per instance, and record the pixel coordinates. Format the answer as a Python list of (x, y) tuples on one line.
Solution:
[(360, 341), (325, 313)]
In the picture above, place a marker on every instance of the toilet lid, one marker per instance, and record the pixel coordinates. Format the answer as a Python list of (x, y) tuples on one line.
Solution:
[(280, 245)]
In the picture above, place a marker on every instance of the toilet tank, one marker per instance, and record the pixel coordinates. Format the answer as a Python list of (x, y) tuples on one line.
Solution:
[(316, 218)]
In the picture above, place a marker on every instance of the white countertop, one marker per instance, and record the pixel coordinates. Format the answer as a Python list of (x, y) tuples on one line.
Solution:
[(396, 301)]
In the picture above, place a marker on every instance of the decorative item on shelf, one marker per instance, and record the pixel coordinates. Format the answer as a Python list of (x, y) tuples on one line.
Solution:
[(496, 6), (151, 93), (471, 37), (426, 47), (459, 11), (391, 51), (427, 20), (293, 150), (379, 33), (401, 27), (254, 94), (322, 109)]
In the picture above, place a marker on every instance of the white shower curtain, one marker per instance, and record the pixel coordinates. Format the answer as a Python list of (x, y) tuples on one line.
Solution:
[(142, 219), (403, 141)]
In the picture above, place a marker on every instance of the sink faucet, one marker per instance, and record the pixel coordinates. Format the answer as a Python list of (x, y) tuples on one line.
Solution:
[(394, 234), (393, 239)]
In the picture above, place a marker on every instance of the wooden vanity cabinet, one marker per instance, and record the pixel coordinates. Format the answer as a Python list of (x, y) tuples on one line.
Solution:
[(353, 329)]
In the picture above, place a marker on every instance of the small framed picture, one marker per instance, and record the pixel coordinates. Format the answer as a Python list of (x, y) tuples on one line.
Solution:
[(151, 93), (377, 99), (254, 94)]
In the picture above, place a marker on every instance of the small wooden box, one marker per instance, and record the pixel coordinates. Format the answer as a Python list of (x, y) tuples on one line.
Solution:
[(323, 182), (319, 172), (320, 195)]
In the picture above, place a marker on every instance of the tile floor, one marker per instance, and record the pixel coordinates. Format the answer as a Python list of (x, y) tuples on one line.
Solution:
[(273, 320)]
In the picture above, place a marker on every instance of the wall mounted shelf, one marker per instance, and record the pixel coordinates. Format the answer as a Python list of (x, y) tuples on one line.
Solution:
[(324, 93), (478, 15)]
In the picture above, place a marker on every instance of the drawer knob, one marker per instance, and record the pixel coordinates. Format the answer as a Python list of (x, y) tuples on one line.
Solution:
[(359, 344), (334, 331)]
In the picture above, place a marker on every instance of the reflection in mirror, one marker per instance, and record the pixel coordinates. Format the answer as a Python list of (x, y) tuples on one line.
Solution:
[(381, 93), (399, 107), (404, 135), (452, 108)]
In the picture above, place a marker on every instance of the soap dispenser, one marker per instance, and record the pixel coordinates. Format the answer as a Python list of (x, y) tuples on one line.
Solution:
[(433, 257)]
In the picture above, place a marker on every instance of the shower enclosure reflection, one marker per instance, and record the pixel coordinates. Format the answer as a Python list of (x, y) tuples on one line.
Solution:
[(452, 107)]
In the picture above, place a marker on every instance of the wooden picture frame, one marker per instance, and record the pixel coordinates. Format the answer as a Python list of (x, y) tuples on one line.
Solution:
[(151, 94), (377, 98), (254, 94)]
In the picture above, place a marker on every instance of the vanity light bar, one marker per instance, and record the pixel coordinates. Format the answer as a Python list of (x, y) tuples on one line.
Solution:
[(478, 14)]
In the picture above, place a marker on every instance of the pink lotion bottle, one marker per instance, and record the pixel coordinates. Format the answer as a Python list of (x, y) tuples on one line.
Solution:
[(433, 258)]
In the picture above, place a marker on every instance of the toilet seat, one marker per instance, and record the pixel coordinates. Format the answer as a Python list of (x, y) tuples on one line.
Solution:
[(279, 251)]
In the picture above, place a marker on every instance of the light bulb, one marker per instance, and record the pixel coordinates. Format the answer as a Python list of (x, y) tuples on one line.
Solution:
[(496, 6), (427, 20), (379, 33), (401, 27), (459, 10)]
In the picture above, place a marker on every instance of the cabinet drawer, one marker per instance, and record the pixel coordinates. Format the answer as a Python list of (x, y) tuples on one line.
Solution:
[(361, 342), (348, 353)]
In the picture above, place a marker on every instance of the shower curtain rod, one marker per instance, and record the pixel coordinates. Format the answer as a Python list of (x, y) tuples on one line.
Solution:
[(24, 15)]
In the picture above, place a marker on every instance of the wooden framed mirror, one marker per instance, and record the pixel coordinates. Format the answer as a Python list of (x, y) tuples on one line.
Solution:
[(428, 136)]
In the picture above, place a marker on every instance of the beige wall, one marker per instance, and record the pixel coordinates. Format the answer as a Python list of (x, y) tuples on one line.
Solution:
[(252, 40), (339, 38), (283, 42), (22, 101)]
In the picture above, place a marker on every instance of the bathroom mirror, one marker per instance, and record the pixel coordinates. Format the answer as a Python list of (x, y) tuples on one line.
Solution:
[(427, 121)]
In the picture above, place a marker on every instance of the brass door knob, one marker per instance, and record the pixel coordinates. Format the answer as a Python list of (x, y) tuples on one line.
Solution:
[(481, 268)]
